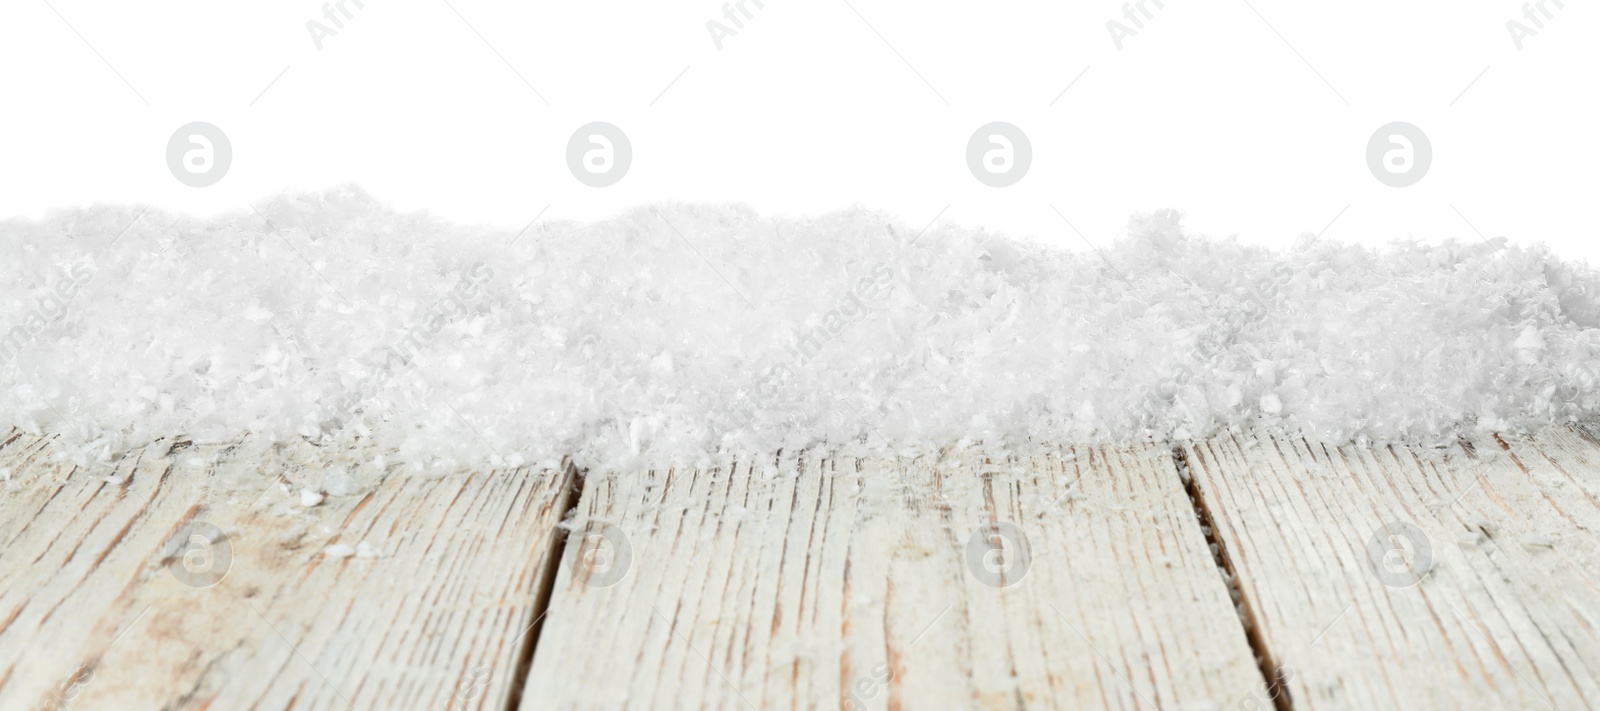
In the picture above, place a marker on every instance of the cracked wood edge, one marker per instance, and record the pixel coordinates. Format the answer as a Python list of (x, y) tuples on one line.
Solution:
[(795, 582), (92, 616), (1504, 616)]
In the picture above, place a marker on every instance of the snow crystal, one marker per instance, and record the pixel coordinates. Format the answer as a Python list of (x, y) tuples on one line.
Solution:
[(674, 332), (338, 482)]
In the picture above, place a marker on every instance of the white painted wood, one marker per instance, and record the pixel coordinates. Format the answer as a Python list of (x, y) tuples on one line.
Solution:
[(802, 583), (790, 583), (90, 605), (1507, 613)]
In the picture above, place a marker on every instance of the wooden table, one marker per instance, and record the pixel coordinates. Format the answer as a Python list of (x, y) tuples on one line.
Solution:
[(1238, 572)]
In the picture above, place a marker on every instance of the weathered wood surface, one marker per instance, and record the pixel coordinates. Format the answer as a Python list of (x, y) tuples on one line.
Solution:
[(105, 602), (794, 582), (804, 583), (1484, 595)]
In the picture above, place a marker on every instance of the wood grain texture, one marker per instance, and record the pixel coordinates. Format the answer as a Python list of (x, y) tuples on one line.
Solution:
[(792, 582), (434, 615), (1483, 595)]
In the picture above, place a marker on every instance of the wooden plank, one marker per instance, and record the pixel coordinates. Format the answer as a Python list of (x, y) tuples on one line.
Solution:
[(1394, 577), (106, 602), (795, 582)]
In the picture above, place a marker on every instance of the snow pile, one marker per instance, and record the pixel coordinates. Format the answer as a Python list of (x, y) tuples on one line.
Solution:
[(674, 331)]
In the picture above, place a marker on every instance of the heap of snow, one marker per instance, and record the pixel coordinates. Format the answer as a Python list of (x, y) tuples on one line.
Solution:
[(672, 332)]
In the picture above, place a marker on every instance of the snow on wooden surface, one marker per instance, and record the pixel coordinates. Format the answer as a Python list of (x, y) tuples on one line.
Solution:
[(1054, 577), (669, 332)]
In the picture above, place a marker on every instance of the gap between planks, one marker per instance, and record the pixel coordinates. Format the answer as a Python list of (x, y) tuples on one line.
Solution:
[(1271, 671), (570, 495)]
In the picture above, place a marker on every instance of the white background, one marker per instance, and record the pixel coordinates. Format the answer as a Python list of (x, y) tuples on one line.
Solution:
[(807, 109)]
